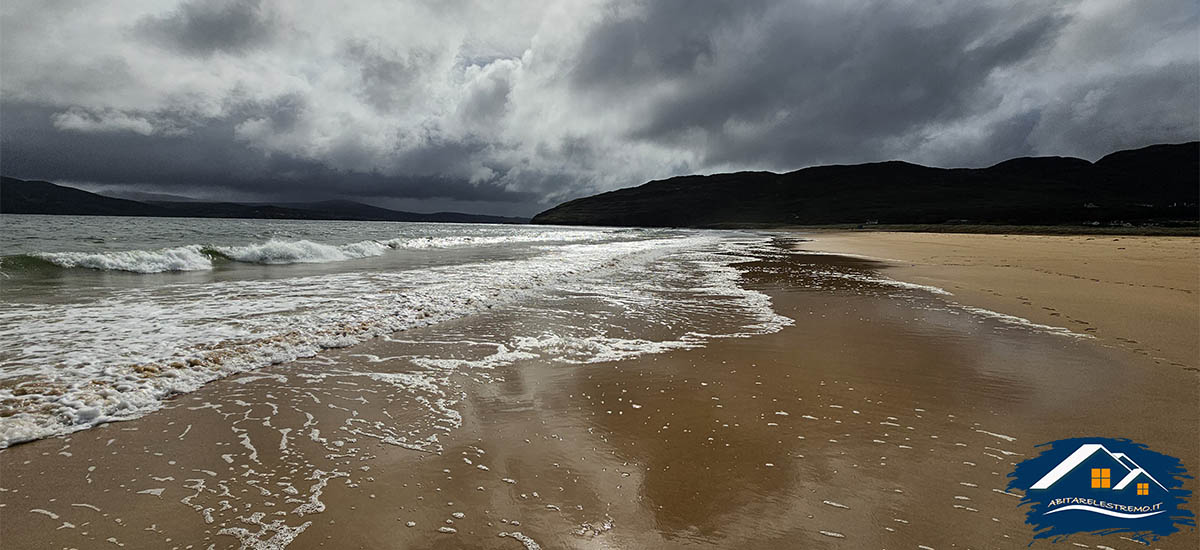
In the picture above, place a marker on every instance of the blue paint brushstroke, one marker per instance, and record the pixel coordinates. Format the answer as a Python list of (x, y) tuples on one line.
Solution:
[(1063, 522)]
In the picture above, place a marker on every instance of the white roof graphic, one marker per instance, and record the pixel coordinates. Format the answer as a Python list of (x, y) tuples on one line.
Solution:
[(1132, 475), (1083, 453)]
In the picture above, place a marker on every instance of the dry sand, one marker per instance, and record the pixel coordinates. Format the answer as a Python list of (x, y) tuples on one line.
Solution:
[(884, 417), (1140, 293)]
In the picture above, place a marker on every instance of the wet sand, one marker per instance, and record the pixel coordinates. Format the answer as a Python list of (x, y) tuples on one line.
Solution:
[(885, 417), (1139, 293)]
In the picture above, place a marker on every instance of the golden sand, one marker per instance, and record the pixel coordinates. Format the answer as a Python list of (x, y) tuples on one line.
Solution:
[(1139, 293)]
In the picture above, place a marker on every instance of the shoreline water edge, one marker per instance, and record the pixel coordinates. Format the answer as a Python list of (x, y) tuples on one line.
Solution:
[(644, 389)]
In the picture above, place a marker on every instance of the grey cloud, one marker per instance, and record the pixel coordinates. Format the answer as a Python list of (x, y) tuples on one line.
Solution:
[(284, 111), (486, 101), (466, 103), (1150, 106), (388, 79), (202, 28), (671, 39), (832, 84), (209, 159)]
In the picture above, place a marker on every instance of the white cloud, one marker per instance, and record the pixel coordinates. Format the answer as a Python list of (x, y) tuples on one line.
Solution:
[(78, 120)]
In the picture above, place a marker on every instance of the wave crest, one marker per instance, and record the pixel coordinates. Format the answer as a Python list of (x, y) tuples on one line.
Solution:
[(273, 252), (277, 251), (483, 240), (183, 258)]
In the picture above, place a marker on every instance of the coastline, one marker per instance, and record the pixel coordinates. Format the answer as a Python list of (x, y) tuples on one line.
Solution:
[(1139, 293), (885, 416)]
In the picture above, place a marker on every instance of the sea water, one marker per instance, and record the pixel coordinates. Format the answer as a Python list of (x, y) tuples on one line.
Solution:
[(102, 318)]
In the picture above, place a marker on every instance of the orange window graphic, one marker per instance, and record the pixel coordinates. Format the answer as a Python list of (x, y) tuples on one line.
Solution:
[(1101, 478), (1143, 488)]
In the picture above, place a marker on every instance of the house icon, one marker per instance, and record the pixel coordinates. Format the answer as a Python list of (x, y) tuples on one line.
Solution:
[(1093, 466), (1096, 485)]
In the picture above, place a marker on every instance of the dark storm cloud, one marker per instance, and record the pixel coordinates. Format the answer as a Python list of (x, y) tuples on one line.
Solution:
[(670, 40), (202, 28), (522, 105), (207, 159), (283, 111), (1123, 113), (828, 86)]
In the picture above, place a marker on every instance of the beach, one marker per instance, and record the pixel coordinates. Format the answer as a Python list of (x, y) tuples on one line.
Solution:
[(1136, 292), (609, 274), (826, 390)]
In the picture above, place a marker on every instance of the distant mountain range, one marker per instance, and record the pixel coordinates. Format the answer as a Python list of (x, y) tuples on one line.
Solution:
[(1158, 185), (41, 197)]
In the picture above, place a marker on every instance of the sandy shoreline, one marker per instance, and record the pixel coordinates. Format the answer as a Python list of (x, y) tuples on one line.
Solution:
[(884, 417), (1139, 293)]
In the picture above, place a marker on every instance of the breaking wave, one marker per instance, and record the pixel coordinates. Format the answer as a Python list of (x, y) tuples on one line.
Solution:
[(277, 251), (272, 252), (184, 258), (470, 240)]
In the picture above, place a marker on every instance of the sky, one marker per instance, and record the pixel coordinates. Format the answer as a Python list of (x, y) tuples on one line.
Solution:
[(512, 107)]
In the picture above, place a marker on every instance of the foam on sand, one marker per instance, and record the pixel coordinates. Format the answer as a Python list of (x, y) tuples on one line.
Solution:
[(529, 543), (884, 281), (1025, 323)]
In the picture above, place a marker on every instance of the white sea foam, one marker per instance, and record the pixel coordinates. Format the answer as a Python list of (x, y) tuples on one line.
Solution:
[(998, 436), (846, 255), (884, 281), (1023, 322), (275, 534), (174, 338), (276, 251), (597, 349), (456, 241), (529, 543), (196, 257), (184, 258)]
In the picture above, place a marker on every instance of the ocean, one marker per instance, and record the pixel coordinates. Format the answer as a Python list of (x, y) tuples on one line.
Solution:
[(104, 318)]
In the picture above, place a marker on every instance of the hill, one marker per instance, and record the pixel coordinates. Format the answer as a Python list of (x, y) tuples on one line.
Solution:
[(41, 197), (1159, 184)]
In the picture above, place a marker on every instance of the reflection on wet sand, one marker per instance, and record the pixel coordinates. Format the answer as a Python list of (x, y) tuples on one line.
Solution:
[(884, 417)]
